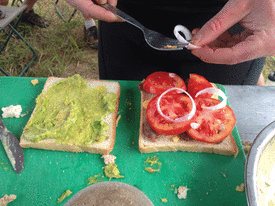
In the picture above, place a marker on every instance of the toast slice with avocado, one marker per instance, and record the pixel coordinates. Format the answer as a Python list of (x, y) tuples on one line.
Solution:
[(150, 141), (72, 127)]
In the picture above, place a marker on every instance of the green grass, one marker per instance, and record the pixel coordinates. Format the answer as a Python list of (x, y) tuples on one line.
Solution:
[(61, 50), (269, 66)]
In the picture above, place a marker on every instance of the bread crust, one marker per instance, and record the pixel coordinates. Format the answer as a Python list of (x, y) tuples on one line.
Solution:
[(150, 141), (104, 147)]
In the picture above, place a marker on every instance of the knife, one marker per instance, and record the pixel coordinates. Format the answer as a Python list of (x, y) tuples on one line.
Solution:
[(13, 150)]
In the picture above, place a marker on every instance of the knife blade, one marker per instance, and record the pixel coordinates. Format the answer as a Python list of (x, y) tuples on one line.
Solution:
[(13, 150)]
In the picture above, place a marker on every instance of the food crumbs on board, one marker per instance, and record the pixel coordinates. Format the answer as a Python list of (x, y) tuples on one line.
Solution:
[(171, 187), (3, 164), (223, 174), (7, 199), (110, 168), (12, 111), (112, 171), (152, 160), (152, 164), (240, 188), (64, 195), (151, 170), (34, 82), (181, 192), (95, 179), (163, 200), (108, 159)]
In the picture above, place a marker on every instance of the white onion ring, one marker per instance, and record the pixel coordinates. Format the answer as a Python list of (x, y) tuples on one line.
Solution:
[(181, 119), (195, 125), (187, 35), (214, 91)]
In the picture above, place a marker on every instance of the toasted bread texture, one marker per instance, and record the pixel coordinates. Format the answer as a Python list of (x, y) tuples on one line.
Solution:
[(104, 147), (150, 141)]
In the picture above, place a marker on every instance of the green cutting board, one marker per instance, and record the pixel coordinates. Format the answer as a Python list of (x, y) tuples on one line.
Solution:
[(211, 179)]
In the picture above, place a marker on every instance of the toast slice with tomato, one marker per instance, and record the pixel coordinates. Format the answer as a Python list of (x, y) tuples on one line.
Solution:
[(104, 147), (150, 141)]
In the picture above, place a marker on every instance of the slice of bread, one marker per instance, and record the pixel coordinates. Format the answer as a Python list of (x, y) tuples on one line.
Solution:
[(150, 141), (104, 147)]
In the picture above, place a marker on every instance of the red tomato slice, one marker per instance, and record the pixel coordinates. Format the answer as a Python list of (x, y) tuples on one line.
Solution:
[(159, 82), (197, 83), (174, 106), (216, 125)]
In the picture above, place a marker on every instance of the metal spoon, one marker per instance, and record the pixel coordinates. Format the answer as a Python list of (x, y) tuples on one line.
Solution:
[(153, 38)]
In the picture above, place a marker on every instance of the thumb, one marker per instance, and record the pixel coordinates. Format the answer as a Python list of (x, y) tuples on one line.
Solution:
[(233, 12)]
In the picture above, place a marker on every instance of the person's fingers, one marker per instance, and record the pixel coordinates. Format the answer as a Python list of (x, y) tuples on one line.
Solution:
[(240, 52), (102, 14), (109, 16), (222, 41), (231, 13), (99, 13), (112, 2), (91, 9), (195, 31)]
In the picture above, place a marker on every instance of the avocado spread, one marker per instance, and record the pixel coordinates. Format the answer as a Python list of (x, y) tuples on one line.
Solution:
[(112, 171), (153, 163), (71, 112), (64, 195), (95, 179)]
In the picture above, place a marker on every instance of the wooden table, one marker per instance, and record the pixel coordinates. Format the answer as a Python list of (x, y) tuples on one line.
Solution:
[(254, 107)]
